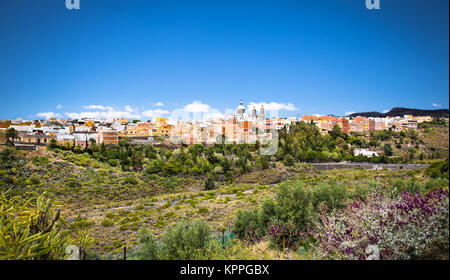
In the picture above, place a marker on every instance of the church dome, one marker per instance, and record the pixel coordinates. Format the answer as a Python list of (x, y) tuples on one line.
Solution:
[(241, 106), (240, 109)]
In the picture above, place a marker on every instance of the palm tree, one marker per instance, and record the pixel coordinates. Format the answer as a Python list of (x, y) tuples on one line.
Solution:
[(11, 133)]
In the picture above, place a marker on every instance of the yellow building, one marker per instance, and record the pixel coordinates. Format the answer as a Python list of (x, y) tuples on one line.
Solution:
[(323, 126), (35, 138), (90, 124), (142, 129), (161, 121), (124, 121), (422, 119)]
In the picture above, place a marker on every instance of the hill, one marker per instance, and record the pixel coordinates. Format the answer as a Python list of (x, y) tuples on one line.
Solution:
[(400, 111)]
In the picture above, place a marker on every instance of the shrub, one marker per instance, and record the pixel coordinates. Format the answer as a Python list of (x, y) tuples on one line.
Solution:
[(107, 223), (295, 203), (410, 226), (333, 195), (37, 160), (11, 158), (73, 183), (188, 241), (123, 227), (113, 162), (439, 169), (130, 180), (110, 215), (248, 226), (148, 248), (209, 184), (81, 223), (361, 191), (289, 160), (139, 207), (283, 235)]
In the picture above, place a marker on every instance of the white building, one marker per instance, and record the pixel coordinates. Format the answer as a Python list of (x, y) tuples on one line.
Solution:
[(365, 152)]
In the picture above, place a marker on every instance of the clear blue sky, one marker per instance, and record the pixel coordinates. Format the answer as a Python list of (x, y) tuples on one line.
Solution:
[(322, 56)]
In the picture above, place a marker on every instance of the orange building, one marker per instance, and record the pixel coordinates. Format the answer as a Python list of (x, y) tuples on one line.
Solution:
[(108, 136), (343, 124)]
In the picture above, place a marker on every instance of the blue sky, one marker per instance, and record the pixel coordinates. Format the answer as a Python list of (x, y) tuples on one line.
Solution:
[(127, 57)]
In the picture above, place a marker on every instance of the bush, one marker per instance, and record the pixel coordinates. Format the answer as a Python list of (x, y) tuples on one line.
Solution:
[(107, 222), (294, 210), (188, 241), (289, 160), (247, 225), (43, 160), (294, 203), (81, 223), (203, 210), (209, 184), (113, 162), (361, 192), (148, 248), (130, 180), (410, 226), (11, 158), (333, 195), (283, 235), (439, 169)]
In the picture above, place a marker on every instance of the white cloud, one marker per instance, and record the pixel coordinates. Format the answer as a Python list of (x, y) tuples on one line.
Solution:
[(130, 109), (272, 106), (154, 113), (105, 112), (385, 111), (213, 114), (103, 115), (436, 105), (349, 113), (197, 107), (158, 104), (197, 111), (48, 115), (58, 106), (98, 107)]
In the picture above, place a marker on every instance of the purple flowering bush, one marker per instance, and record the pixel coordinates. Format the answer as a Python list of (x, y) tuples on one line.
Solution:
[(410, 226), (251, 235), (283, 232)]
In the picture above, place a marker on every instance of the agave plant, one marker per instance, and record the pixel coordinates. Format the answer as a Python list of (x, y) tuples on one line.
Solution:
[(29, 230)]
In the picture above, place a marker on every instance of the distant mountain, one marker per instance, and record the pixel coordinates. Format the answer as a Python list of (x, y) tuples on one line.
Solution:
[(400, 111)]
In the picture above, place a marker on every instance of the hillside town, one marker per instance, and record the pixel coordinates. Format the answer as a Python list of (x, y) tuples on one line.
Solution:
[(240, 127)]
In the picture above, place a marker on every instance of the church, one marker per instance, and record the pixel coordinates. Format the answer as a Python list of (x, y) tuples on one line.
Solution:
[(241, 115)]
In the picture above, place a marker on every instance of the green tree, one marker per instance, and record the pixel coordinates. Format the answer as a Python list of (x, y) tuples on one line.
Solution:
[(53, 144), (13, 134), (209, 184), (136, 160), (387, 149)]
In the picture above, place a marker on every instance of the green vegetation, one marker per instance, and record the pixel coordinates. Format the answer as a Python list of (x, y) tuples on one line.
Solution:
[(183, 241), (29, 230), (269, 203)]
